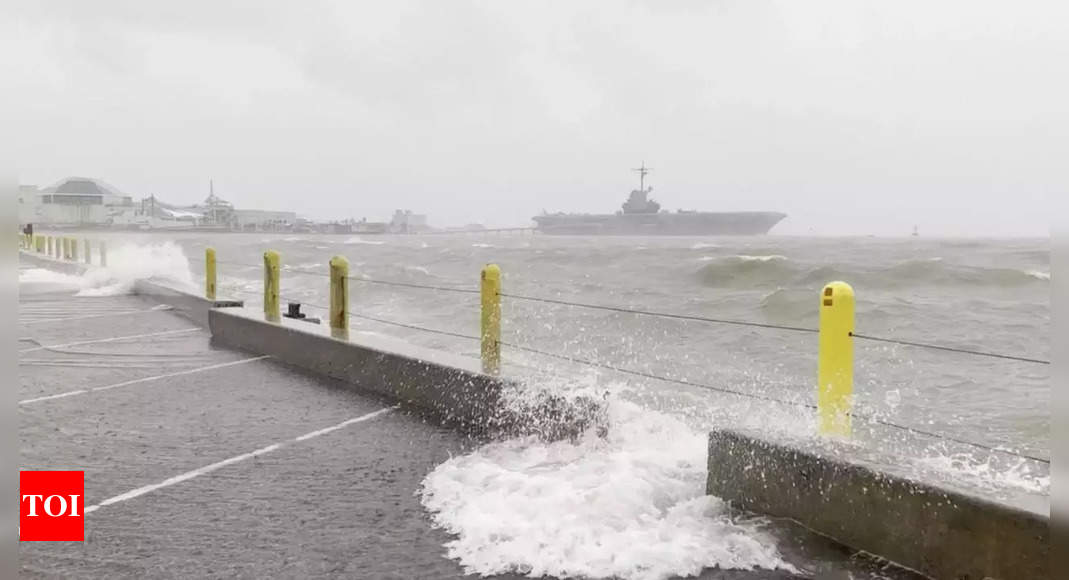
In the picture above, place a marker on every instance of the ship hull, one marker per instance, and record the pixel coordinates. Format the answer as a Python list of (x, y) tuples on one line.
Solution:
[(749, 223)]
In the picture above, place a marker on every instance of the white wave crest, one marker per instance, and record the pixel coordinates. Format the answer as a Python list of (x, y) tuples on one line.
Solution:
[(359, 240), (768, 258), (630, 506), (127, 263), (1038, 274)]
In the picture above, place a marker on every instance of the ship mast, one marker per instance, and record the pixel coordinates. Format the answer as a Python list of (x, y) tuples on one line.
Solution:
[(642, 171)]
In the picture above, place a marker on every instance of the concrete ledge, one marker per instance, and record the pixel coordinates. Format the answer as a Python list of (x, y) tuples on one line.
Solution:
[(448, 387), (187, 304), (43, 261), (938, 531)]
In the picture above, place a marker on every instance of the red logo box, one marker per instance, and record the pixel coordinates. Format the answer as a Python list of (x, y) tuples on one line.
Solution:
[(51, 506)]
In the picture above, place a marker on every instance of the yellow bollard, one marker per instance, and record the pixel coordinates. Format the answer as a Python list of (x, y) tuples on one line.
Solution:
[(103, 254), (490, 291), (339, 297), (88, 251), (66, 248), (48, 246), (209, 273), (835, 367), (272, 312), (74, 250)]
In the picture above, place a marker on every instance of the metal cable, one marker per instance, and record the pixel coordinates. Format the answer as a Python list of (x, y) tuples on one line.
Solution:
[(657, 377), (411, 285), (870, 419), (941, 436), (415, 327), (672, 316), (755, 396), (659, 314), (389, 322), (950, 349), (366, 280)]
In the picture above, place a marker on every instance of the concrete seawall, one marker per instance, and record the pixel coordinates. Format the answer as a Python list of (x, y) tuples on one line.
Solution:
[(61, 266), (447, 386), (193, 307), (870, 504), (450, 388)]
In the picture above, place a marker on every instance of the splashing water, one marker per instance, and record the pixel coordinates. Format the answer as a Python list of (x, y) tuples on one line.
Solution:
[(127, 263), (631, 505)]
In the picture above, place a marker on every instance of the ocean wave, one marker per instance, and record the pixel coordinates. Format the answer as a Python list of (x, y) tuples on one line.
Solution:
[(789, 305), (306, 266), (768, 258), (359, 240), (127, 263), (744, 270), (769, 271)]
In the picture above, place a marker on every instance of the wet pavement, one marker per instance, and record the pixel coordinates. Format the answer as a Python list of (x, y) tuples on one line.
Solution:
[(206, 462)]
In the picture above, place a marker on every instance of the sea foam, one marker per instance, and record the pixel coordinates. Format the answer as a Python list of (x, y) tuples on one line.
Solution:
[(127, 263), (631, 505)]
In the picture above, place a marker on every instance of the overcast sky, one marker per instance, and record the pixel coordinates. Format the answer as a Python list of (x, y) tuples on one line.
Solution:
[(852, 116)]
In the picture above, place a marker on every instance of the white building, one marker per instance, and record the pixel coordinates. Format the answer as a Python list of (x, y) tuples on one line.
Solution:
[(75, 201), (258, 219)]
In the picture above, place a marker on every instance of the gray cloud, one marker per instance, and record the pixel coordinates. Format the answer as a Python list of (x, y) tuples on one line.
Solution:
[(853, 117)]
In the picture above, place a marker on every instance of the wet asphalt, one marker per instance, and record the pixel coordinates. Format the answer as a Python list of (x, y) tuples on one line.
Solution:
[(338, 504)]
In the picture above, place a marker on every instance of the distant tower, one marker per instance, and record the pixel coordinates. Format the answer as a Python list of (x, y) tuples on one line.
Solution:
[(915, 233), (642, 171)]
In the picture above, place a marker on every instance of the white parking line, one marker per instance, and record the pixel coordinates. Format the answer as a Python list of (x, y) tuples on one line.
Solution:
[(120, 313), (112, 339), (236, 459), (142, 380)]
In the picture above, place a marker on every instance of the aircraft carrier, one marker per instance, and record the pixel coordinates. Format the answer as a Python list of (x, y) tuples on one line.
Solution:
[(641, 215)]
